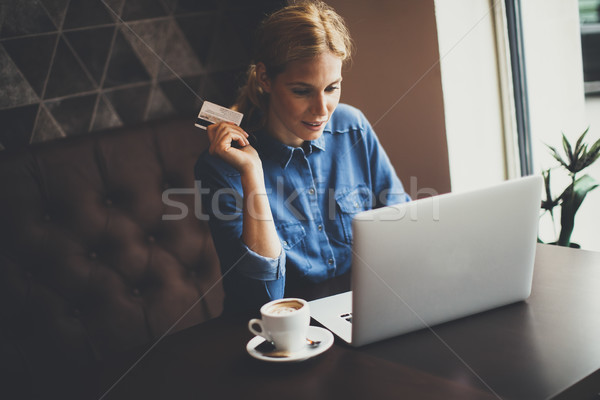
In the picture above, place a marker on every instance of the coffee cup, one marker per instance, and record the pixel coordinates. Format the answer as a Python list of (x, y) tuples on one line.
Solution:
[(284, 322)]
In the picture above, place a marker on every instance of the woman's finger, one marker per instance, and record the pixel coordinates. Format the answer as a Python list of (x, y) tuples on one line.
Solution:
[(224, 139)]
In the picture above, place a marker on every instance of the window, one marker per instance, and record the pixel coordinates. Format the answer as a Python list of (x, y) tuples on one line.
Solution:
[(589, 15)]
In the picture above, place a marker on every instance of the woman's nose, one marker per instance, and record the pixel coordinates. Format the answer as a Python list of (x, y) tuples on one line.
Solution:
[(319, 105)]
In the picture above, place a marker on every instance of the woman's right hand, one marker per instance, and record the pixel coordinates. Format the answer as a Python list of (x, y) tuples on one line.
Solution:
[(242, 157)]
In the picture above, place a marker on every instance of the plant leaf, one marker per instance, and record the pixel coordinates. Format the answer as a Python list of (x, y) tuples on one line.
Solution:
[(578, 146), (572, 198), (576, 192), (557, 156), (568, 150), (594, 153), (549, 203)]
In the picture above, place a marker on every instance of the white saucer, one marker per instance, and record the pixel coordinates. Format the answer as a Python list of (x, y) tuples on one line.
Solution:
[(314, 333)]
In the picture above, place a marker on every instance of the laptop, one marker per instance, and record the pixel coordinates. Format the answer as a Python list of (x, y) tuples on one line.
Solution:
[(429, 261)]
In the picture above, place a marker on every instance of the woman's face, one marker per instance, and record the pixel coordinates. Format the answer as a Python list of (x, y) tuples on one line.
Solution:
[(302, 98)]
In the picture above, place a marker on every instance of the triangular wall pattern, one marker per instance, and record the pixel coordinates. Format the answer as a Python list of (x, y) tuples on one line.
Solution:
[(68, 67)]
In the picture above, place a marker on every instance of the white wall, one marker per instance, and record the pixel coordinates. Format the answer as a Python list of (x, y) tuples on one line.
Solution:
[(587, 225), (470, 81), (556, 101)]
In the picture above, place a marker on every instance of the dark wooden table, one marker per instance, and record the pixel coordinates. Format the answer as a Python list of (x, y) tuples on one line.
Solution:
[(529, 350)]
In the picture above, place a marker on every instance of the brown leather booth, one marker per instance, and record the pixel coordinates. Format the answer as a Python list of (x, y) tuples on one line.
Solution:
[(103, 247)]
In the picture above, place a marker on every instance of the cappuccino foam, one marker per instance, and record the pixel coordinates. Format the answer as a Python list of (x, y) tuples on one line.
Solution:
[(286, 307), (283, 310)]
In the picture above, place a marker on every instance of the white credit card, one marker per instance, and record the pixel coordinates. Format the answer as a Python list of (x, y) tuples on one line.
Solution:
[(212, 113)]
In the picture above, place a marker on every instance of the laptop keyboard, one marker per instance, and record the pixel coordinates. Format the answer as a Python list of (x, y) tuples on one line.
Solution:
[(347, 317)]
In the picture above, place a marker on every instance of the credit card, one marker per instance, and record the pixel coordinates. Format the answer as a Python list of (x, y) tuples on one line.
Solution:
[(212, 113)]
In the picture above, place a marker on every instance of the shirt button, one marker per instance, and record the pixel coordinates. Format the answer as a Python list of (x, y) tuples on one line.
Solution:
[(285, 243), (311, 191), (356, 204), (330, 261), (320, 228)]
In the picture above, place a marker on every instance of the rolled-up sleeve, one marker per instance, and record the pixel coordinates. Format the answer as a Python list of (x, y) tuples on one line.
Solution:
[(249, 278), (259, 267), (388, 188)]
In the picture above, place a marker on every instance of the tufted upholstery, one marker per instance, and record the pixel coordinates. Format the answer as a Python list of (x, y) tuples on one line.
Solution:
[(89, 265)]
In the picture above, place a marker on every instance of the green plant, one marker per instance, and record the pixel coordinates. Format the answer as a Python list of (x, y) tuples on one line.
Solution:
[(577, 159)]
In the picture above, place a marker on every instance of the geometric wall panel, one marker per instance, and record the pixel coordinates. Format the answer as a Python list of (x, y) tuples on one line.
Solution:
[(87, 13), (74, 114), (16, 91), (67, 75), (24, 18), (68, 67), (179, 57), (148, 39), (92, 47), (158, 104), (46, 128), (185, 94), (142, 9), (130, 103), (56, 9), (32, 55), (124, 66), (106, 116)]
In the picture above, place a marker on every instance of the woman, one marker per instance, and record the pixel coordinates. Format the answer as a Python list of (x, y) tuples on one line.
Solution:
[(282, 189)]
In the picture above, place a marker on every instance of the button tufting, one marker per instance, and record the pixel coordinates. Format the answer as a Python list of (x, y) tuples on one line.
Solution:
[(151, 239), (108, 202), (136, 292), (46, 217), (29, 275), (76, 313), (93, 255)]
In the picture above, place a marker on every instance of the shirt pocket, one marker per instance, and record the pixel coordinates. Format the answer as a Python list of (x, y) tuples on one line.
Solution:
[(291, 234), (293, 240), (350, 202)]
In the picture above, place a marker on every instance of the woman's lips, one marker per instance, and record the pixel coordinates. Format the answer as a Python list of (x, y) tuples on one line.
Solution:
[(315, 126)]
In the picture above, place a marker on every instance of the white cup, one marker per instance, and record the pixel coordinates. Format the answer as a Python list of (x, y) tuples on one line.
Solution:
[(284, 322)]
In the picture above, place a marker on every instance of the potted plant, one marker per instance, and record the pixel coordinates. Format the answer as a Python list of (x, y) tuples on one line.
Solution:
[(576, 160)]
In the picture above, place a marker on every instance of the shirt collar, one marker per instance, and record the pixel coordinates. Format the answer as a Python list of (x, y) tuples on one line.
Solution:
[(271, 147)]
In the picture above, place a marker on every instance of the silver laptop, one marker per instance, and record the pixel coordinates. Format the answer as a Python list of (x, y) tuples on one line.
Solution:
[(434, 260)]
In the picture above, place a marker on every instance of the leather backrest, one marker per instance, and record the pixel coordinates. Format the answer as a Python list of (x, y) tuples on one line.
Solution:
[(96, 252)]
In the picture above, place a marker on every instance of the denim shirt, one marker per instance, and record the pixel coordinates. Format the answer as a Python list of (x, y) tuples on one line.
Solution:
[(314, 191)]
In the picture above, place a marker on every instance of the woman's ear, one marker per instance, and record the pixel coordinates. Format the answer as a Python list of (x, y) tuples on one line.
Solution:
[(263, 79)]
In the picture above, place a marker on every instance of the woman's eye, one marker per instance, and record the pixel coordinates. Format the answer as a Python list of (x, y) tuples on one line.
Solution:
[(307, 92), (300, 92)]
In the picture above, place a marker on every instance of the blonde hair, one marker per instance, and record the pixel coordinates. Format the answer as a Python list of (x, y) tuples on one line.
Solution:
[(302, 30)]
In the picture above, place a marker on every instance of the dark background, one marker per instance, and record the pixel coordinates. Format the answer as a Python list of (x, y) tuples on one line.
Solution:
[(69, 67)]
